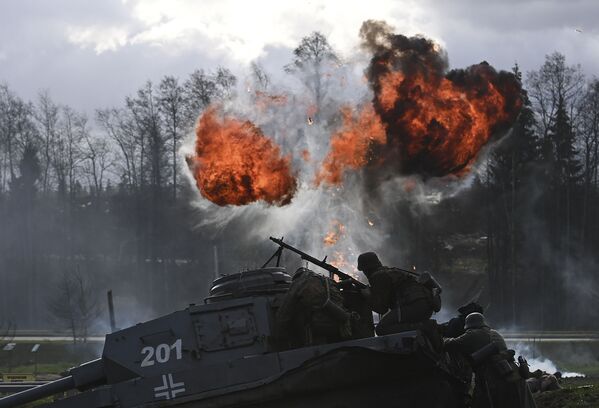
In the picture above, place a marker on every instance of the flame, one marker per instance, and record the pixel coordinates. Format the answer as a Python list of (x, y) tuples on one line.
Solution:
[(351, 145), (234, 163), (264, 100), (337, 231), (423, 119), (338, 260), (438, 125)]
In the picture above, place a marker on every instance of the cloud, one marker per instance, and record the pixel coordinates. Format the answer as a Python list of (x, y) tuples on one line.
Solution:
[(241, 30), (92, 54), (101, 39)]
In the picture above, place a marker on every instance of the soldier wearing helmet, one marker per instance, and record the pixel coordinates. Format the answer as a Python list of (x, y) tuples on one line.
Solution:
[(455, 326), (498, 382), (395, 293), (312, 311)]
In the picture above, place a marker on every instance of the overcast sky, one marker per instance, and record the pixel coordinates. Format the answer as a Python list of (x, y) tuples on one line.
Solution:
[(92, 53)]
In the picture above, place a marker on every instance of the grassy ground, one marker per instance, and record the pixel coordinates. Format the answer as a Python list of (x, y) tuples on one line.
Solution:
[(51, 358), (576, 392)]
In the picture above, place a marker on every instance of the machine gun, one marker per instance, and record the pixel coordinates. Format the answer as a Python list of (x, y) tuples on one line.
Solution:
[(423, 278), (333, 270)]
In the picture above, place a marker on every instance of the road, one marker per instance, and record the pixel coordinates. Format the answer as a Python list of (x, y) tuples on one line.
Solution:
[(512, 337)]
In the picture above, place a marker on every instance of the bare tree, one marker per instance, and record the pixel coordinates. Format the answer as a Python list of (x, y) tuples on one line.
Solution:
[(75, 304), (120, 127), (554, 80), (16, 131), (259, 76), (312, 58), (97, 160), (144, 110), (225, 83), (47, 118), (203, 88), (199, 92), (68, 154), (171, 99)]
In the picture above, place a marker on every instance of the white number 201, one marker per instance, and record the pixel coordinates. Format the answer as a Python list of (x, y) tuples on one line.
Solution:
[(160, 353)]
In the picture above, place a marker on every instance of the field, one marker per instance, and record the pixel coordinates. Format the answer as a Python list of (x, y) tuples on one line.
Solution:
[(576, 392)]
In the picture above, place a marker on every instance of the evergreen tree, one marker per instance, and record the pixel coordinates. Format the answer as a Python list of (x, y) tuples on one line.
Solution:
[(510, 172), (562, 138)]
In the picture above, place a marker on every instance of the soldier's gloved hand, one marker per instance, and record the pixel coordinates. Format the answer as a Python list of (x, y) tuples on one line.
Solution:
[(523, 367)]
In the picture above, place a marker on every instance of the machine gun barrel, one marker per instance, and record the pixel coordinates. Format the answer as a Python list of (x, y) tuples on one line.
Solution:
[(82, 377), (323, 264)]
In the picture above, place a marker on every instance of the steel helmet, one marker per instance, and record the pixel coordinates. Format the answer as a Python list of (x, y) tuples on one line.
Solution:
[(368, 261), (475, 321)]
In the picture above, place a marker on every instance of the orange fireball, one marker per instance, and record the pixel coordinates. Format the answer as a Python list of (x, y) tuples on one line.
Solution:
[(423, 119), (436, 121), (351, 145), (438, 125), (235, 164)]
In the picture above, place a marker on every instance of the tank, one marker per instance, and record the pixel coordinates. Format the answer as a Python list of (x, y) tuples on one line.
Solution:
[(224, 353)]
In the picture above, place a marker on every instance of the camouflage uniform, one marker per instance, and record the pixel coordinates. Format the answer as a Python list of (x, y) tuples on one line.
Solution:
[(312, 311), (400, 296), (505, 388)]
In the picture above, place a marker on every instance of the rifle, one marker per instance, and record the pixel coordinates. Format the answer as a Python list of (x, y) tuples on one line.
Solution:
[(323, 264)]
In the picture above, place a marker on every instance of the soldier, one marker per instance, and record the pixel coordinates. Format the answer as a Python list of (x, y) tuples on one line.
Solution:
[(395, 293), (541, 381), (498, 383), (312, 311), (455, 326)]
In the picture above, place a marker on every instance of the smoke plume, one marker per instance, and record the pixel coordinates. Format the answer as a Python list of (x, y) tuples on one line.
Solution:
[(266, 165)]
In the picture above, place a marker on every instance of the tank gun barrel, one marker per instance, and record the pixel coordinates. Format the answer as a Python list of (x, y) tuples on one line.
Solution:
[(82, 377)]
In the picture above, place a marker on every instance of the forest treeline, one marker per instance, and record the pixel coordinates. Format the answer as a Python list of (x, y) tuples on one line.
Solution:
[(104, 197)]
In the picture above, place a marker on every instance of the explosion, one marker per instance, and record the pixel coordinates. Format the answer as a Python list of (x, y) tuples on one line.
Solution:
[(234, 163), (435, 122), (423, 120), (351, 146), (337, 231)]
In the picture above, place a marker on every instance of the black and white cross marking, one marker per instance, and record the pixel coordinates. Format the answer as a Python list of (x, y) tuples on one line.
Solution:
[(169, 389)]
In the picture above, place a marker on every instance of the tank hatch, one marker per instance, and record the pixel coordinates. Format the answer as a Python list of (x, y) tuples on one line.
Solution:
[(256, 282)]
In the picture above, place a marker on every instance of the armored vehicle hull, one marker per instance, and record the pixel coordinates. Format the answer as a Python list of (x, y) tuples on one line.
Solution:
[(397, 370), (224, 353)]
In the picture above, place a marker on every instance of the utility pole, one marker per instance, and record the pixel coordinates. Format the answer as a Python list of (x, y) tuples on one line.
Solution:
[(111, 312)]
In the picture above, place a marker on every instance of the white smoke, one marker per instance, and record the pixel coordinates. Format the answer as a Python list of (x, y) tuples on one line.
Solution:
[(538, 362), (316, 211)]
